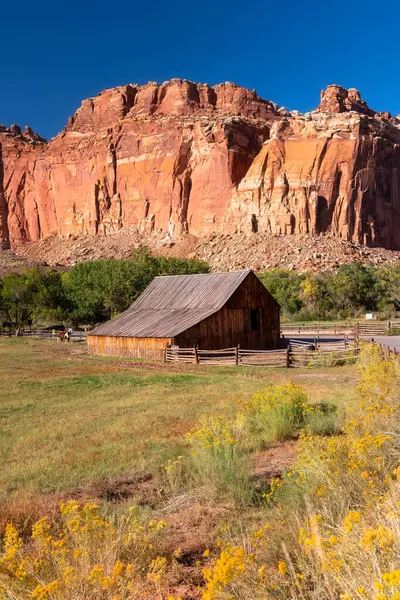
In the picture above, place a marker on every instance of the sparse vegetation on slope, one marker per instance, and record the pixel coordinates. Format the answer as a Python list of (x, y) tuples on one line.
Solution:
[(224, 252)]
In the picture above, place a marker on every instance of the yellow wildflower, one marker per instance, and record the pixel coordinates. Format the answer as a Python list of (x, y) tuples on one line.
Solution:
[(392, 578), (381, 538), (45, 592), (351, 519), (282, 568), (230, 563), (261, 571)]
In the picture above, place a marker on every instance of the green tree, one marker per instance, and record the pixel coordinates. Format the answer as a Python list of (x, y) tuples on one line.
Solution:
[(100, 289), (17, 300), (389, 277), (355, 288), (31, 295), (285, 287)]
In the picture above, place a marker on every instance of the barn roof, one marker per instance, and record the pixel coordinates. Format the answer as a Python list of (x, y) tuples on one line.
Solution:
[(173, 303)]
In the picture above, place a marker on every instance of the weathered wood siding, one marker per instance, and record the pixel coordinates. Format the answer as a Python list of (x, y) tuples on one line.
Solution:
[(232, 325), (128, 346)]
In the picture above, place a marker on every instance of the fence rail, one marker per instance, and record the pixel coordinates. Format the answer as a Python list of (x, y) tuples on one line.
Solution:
[(264, 358), (323, 358), (372, 329), (359, 329), (42, 334), (388, 352), (182, 355), (319, 329), (285, 358), (317, 344), (228, 356)]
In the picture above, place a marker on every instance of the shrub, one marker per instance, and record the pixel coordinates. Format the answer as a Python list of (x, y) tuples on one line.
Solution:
[(219, 457), (342, 539), (176, 475), (82, 555), (277, 412), (323, 419)]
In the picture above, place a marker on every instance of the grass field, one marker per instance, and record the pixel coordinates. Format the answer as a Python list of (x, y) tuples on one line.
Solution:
[(69, 419), (103, 495)]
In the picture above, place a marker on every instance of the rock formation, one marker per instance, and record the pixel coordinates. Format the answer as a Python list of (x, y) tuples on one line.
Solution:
[(190, 158)]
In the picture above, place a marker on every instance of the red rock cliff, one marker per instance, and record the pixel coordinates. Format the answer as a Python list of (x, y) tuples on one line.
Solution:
[(185, 157)]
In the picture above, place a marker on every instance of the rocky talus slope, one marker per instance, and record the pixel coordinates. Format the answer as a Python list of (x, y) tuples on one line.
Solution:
[(258, 251), (161, 164)]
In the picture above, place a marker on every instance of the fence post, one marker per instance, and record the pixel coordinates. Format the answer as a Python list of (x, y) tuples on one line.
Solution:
[(237, 354), (196, 355), (288, 356)]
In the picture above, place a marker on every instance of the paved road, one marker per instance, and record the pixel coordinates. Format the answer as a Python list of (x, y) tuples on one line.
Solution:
[(393, 341)]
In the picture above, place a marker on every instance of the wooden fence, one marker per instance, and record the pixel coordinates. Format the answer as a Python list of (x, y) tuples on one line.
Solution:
[(228, 356), (325, 346), (181, 355), (363, 329), (318, 329), (265, 358), (323, 358), (288, 357), (218, 357), (42, 334), (371, 329), (387, 352)]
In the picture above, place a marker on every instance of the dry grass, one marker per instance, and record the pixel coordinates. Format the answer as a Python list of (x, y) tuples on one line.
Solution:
[(69, 419), (88, 428), (332, 529)]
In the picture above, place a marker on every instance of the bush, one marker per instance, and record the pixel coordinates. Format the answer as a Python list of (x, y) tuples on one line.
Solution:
[(82, 555), (277, 412), (350, 291), (323, 419), (219, 458), (340, 539)]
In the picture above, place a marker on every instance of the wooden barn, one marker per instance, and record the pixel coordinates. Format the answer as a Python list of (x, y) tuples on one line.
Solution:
[(211, 311)]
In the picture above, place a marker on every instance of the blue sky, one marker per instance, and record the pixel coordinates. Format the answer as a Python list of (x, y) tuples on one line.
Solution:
[(55, 54)]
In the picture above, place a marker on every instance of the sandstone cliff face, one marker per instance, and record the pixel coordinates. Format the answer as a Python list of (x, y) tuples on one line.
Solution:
[(326, 173), (188, 158)]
